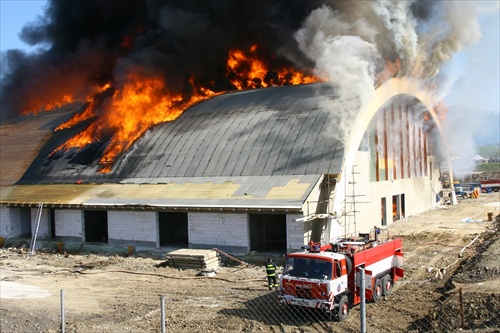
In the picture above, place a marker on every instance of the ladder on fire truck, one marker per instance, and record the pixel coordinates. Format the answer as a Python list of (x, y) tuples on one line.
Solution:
[(35, 232)]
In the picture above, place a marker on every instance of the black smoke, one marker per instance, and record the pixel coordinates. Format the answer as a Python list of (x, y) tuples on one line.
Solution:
[(88, 43), (91, 42)]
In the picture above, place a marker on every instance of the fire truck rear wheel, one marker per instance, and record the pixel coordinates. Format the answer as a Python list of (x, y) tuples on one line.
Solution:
[(377, 291), (343, 309), (387, 284)]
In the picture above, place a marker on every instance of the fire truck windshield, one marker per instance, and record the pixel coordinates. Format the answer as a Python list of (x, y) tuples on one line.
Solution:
[(308, 268)]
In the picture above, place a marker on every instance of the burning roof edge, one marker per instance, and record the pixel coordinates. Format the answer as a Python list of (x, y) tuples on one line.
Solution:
[(271, 131)]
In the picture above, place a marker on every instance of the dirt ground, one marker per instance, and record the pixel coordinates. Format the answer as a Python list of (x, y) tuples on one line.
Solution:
[(452, 283)]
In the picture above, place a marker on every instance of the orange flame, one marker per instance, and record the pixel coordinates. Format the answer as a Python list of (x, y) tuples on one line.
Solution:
[(87, 113), (39, 103), (143, 101), (246, 71), (53, 100), (139, 104)]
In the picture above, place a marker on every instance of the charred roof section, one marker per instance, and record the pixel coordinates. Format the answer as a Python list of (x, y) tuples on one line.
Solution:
[(266, 132)]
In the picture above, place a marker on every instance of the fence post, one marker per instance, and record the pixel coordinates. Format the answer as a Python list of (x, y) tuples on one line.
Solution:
[(63, 320), (362, 312), (461, 300), (162, 307)]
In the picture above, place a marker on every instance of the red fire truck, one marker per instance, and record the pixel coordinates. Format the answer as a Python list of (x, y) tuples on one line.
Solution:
[(490, 185), (326, 277)]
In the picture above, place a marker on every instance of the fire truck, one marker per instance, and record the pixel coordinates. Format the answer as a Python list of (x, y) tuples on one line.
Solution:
[(326, 277), (490, 185)]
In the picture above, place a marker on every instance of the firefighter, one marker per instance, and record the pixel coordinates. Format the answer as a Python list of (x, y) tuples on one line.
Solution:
[(271, 274)]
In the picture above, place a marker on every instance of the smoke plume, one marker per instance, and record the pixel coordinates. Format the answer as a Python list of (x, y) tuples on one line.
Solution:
[(186, 43)]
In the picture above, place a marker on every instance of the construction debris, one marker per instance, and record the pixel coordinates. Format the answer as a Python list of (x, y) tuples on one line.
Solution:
[(233, 258), (205, 260)]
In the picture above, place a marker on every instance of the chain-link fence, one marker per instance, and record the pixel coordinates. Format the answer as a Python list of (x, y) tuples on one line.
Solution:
[(434, 305), (447, 287)]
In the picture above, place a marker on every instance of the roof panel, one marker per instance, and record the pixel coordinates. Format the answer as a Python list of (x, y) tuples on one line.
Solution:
[(273, 131), (199, 149), (248, 137)]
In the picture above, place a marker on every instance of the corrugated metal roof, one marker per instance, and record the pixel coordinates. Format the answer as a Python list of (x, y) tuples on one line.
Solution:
[(258, 149), (267, 132)]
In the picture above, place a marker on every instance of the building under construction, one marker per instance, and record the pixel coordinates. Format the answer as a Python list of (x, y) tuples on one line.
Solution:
[(264, 170)]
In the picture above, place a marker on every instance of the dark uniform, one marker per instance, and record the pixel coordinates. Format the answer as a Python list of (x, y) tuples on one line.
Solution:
[(271, 274)]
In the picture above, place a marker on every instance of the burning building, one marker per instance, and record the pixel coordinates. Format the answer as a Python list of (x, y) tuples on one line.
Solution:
[(148, 135), (258, 170)]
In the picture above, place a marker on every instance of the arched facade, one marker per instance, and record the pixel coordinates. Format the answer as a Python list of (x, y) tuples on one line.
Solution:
[(398, 136)]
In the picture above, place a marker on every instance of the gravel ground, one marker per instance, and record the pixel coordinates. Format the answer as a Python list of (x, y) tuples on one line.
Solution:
[(452, 282)]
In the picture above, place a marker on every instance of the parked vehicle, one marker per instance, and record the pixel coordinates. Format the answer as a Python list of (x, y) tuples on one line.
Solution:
[(326, 277), (466, 190), (490, 185)]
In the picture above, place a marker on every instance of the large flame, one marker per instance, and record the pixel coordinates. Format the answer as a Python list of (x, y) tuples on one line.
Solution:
[(247, 71), (87, 113), (143, 101)]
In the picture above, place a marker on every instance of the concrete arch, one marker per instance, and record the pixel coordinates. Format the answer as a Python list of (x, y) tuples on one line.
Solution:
[(383, 94)]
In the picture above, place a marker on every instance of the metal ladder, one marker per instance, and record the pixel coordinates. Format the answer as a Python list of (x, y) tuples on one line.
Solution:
[(35, 233)]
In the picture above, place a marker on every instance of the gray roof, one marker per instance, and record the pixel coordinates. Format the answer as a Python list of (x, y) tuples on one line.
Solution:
[(266, 132)]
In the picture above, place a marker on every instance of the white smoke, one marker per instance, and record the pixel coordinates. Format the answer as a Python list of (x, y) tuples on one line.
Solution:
[(454, 28), (350, 47), (339, 51), (446, 35), (400, 36), (343, 56), (351, 44)]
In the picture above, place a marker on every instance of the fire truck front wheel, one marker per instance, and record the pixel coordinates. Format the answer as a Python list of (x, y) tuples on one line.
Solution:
[(343, 309)]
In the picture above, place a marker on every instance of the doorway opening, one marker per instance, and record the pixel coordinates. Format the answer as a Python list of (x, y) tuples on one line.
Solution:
[(268, 232), (403, 213), (173, 229), (396, 215), (383, 206), (26, 229), (52, 217), (96, 226)]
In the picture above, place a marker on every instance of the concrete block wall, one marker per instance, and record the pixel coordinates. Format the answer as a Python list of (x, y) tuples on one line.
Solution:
[(69, 223), (133, 228), (10, 225), (44, 226), (296, 235), (226, 230)]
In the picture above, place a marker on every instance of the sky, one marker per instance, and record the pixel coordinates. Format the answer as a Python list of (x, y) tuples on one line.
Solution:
[(476, 69), (13, 15)]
